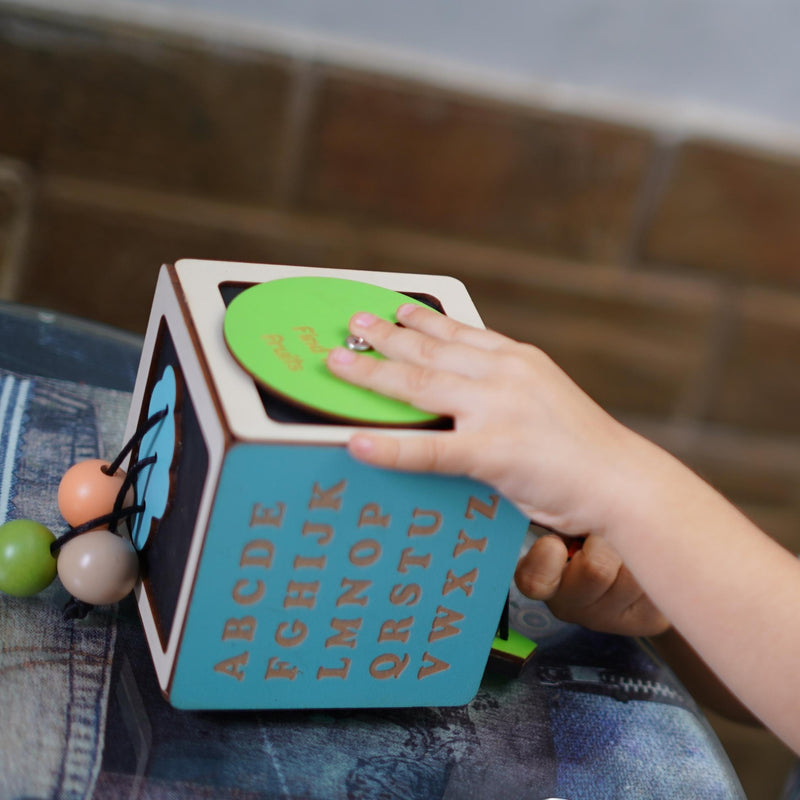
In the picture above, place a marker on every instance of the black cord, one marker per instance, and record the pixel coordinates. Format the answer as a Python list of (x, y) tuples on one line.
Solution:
[(137, 437), (98, 522), (77, 609)]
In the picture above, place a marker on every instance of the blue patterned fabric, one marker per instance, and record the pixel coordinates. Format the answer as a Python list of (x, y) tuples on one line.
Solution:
[(54, 676), (591, 717)]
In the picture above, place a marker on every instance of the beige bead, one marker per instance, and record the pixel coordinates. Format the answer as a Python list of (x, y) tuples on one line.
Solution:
[(98, 567)]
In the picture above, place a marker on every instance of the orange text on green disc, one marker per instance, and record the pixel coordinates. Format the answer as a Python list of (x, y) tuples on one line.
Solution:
[(281, 332)]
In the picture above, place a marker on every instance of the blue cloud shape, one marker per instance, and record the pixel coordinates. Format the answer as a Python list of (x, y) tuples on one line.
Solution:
[(153, 481)]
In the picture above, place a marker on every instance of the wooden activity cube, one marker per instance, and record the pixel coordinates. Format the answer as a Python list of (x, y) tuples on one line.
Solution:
[(278, 572)]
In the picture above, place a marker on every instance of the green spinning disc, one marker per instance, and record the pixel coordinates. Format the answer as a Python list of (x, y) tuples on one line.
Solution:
[(281, 331)]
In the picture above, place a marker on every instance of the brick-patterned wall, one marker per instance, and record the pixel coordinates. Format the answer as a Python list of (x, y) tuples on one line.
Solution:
[(663, 275)]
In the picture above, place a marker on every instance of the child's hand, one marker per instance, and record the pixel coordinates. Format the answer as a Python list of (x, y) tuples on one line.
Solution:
[(593, 588), (521, 425)]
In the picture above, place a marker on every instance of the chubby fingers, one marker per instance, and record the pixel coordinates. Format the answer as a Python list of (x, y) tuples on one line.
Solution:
[(444, 453), (546, 572), (540, 570), (594, 570), (432, 361), (594, 589), (441, 344), (426, 388), (439, 326)]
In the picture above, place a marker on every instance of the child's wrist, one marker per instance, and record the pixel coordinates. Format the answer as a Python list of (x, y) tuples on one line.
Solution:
[(645, 478)]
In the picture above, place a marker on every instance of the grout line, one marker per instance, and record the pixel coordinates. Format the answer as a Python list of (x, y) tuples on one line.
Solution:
[(434, 250), (12, 265), (731, 444), (299, 113), (187, 209), (654, 186), (694, 405)]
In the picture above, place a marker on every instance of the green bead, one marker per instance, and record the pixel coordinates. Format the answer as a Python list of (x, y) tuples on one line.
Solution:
[(26, 565)]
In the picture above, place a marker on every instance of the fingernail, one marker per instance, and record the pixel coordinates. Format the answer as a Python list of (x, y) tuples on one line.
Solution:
[(341, 355), (361, 445), (364, 319), (405, 310)]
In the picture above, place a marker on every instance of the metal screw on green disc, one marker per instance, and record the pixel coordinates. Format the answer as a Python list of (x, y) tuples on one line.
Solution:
[(281, 331)]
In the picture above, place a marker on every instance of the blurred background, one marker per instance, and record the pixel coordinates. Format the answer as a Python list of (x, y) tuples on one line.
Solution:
[(616, 182)]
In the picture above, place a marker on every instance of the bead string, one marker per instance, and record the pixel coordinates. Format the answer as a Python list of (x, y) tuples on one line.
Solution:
[(137, 437), (103, 566), (118, 512), (76, 608), (21, 537), (108, 520)]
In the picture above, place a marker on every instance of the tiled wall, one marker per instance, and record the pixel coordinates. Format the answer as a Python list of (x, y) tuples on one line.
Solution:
[(664, 275)]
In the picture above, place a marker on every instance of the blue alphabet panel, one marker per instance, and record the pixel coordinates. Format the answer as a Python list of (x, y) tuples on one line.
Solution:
[(324, 583)]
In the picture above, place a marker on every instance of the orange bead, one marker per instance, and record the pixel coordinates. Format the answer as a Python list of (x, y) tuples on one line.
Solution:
[(98, 567), (86, 492)]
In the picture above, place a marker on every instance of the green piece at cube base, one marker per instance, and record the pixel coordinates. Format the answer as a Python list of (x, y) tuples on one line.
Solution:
[(509, 656)]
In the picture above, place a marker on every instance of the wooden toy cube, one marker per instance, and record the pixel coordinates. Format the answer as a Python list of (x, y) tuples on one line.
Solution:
[(278, 572)]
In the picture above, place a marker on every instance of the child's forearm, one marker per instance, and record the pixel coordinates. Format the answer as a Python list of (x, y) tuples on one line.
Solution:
[(731, 591), (701, 682)]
